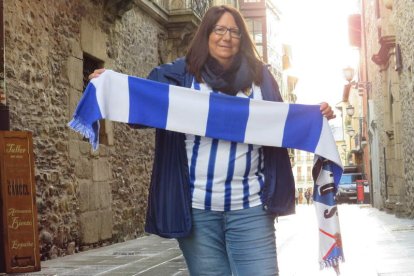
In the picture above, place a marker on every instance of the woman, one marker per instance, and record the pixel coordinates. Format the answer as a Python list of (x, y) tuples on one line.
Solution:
[(220, 198)]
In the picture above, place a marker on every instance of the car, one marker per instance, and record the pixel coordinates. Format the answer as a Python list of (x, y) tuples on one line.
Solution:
[(347, 188)]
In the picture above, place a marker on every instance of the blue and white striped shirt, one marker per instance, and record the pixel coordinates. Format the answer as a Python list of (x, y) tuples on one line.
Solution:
[(224, 175)]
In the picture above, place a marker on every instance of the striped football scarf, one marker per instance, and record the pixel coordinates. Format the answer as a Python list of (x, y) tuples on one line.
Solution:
[(127, 99)]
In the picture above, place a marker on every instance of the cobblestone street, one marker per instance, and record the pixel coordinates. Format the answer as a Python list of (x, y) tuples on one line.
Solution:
[(375, 243)]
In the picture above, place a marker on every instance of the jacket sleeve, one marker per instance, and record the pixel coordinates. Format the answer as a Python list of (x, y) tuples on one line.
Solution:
[(270, 87), (279, 190), (169, 198)]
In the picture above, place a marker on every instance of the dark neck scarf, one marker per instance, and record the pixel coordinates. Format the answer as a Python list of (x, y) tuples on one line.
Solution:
[(231, 81)]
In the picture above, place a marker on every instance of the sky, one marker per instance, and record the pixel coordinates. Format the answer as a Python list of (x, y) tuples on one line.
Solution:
[(317, 31)]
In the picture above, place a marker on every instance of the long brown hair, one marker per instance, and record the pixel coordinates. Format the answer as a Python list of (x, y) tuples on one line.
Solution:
[(198, 52)]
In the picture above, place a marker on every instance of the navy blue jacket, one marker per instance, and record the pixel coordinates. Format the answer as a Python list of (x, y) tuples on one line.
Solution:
[(169, 200)]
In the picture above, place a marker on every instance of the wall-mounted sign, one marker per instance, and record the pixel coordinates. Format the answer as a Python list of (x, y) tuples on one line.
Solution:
[(19, 243)]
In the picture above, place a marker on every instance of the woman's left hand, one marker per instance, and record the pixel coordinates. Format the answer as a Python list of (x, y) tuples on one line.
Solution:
[(327, 111)]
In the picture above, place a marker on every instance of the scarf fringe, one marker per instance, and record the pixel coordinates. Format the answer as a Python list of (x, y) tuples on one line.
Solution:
[(331, 262), (86, 130)]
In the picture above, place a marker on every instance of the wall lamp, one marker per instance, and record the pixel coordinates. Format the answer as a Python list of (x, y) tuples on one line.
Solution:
[(348, 73), (350, 110), (351, 132), (362, 86)]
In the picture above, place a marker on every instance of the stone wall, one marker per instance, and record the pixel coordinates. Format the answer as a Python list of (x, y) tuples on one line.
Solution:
[(84, 198), (376, 95), (392, 95), (404, 18)]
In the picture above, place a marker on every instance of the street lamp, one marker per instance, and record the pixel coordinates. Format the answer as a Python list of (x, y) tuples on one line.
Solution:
[(348, 73), (350, 110), (362, 86), (351, 133)]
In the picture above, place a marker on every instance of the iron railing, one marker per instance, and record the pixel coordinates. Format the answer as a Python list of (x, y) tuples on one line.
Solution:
[(198, 7)]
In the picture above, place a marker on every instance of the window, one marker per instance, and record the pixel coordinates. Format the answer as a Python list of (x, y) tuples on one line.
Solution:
[(350, 178), (252, 1), (255, 29), (299, 155), (309, 173), (91, 63), (226, 2), (299, 174)]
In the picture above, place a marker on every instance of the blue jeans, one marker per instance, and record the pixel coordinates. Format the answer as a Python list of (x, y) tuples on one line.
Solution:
[(240, 242)]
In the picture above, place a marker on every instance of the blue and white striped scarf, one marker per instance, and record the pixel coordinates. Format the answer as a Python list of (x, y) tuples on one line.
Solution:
[(127, 99)]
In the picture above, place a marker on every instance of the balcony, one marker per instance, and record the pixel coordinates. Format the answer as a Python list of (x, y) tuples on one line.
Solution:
[(197, 7), (170, 13), (180, 18)]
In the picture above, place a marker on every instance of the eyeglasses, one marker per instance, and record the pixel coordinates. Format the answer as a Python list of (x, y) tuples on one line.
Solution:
[(221, 30)]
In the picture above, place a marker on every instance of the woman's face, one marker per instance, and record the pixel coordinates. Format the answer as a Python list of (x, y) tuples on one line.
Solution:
[(225, 46)]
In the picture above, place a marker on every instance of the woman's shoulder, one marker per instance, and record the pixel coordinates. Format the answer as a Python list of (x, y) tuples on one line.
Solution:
[(269, 85), (177, 66), (172, 73)]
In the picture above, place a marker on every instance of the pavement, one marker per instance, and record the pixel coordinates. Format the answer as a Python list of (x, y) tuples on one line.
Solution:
[(375, 243)]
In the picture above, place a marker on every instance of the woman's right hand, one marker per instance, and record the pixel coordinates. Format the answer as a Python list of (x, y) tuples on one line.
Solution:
[(96, 73)]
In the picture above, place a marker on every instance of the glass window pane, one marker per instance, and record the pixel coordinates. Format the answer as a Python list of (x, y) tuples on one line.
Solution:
[(260, 50)]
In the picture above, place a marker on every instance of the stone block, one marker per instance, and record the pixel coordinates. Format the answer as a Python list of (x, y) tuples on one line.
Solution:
[(90, 227), (85, 147), (101, 170), (106, 224), (109, 129), (73, 135), (397, 132), (74, 98), (74, 152), (103, 151), (83, 168), (71, 248), (94, 196), (105, 194), (84, 195), (93, 40), (399, 153), (75, 48), (74, 69)]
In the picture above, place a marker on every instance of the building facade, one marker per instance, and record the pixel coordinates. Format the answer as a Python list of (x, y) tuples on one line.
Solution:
[(302, 171), (263, 20), (85, 198), (386, 74)]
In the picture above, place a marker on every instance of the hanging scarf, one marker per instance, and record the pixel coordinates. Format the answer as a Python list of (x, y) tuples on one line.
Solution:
[(133, 100), (236, 78)]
